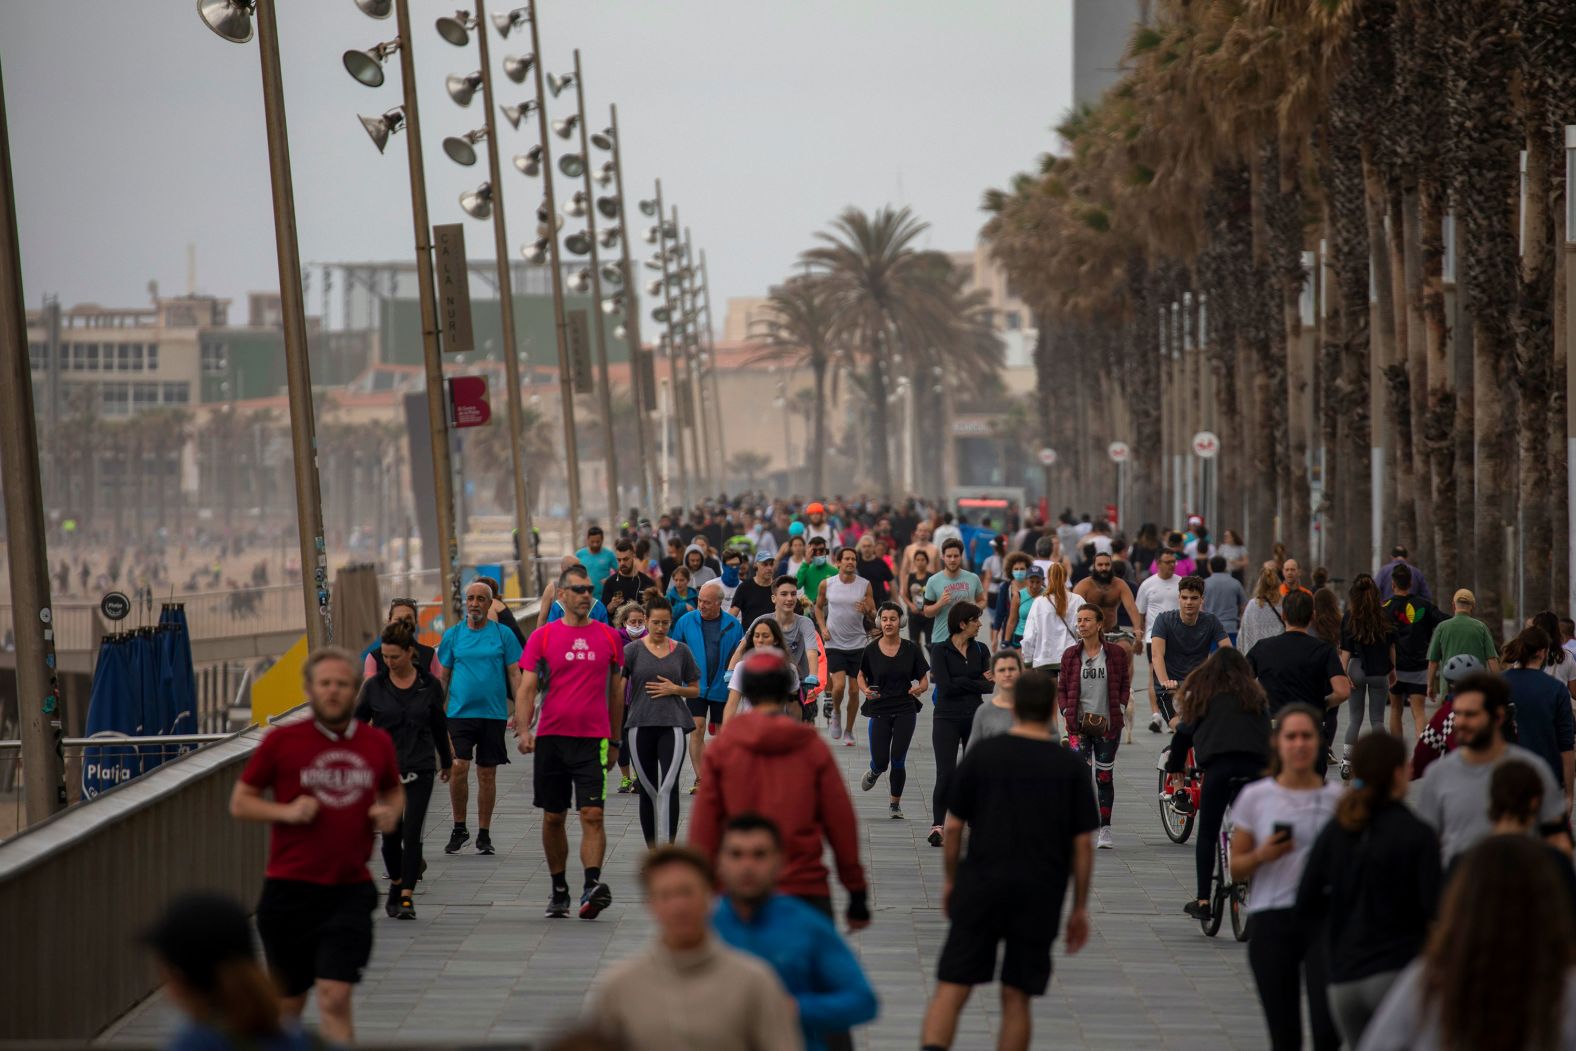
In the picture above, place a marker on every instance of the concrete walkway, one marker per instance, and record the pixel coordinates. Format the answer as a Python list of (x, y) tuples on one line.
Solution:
[(481, 964)]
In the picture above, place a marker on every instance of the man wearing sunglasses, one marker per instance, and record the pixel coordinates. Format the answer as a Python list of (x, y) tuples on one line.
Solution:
[(572, 667)]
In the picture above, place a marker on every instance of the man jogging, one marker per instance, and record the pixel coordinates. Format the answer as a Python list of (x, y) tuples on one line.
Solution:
[(573, 667), (478, 665), (842, 605), (334, 782), (1030, 812)]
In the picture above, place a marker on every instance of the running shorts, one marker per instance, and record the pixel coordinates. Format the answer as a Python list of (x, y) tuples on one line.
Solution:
[(711, 711), (987, 914), (1410, 682), (569, 765), (315, 930), (844, 661), (479, 741)]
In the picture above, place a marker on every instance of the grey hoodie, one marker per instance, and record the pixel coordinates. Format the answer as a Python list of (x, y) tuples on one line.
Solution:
[(704, 573)]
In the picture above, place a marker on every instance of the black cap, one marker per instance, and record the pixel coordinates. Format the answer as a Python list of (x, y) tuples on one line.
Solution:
[(197, 933)]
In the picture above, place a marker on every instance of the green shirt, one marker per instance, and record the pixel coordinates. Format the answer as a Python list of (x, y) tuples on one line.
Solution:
[(949, 591), (1461, 634), (811, 575)]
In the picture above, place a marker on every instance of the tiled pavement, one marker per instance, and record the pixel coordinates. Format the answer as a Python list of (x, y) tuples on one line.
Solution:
[(482, 964)]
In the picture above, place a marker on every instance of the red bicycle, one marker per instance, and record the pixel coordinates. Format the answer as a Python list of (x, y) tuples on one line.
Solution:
[(1179, 800)]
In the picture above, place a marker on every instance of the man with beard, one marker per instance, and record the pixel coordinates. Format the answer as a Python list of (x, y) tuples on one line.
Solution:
[(1103, 589), (921, 542), (1453, 795)]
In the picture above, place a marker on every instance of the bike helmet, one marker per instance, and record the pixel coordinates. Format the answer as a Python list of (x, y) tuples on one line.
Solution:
[(1460, 666)]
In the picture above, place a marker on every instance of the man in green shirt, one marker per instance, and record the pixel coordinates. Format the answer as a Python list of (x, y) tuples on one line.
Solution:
[(817, 567), (952, 585), (1462, 633)]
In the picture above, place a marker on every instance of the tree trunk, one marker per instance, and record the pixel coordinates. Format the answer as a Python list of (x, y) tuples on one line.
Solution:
[(1534, 367), (1440, 420), (1401, 506), (1416, 347), (880, 421), (1349, 549), (818, 365)]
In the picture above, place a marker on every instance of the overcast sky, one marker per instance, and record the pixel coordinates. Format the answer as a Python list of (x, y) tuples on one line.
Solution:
[(135, 131)]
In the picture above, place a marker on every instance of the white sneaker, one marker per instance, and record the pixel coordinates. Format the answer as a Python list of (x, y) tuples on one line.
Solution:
[(1160, 764), (837, 731), (1104, 841), (1155, 723)]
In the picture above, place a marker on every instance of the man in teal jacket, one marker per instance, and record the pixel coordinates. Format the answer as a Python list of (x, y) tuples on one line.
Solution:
[(800, 942), (711, 636)]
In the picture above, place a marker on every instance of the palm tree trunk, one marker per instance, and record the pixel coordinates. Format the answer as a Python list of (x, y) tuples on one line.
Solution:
[(1349, 250), (880, 420), (1534, 354), (1440, 419), (1390, 354), (818, 365), (1416, 349)]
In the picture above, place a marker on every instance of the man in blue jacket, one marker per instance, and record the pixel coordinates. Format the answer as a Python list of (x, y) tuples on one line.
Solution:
[(711, 636), (802, 946)]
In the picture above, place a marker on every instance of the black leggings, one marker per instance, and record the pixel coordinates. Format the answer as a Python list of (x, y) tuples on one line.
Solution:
[(402, 847), (890, 736), (949, 735), (658, 752), (1219, 792), (1284, 958)]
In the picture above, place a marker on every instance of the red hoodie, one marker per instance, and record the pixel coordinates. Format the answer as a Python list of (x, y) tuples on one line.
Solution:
[(780, 768)]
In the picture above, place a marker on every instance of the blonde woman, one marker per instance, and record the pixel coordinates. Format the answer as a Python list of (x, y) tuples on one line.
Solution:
[(1261, 618), (1053, 626)]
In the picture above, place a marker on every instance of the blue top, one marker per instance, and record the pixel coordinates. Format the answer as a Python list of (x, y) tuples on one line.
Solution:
[(810, 958), (598, 612), (599, 566), (194, 1036), (682, 604), (1543, 715), (713, 673), (478, 660)]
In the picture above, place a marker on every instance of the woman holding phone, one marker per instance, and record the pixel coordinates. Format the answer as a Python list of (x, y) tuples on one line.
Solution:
[(1274, 824)]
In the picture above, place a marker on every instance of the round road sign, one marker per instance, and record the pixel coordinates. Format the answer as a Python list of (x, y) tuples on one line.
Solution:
[(1205, 445), (1119, 452), (1047, 456)]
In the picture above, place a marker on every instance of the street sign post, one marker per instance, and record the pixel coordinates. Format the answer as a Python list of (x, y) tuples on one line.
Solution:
[(454, 288), (1205, 445), (1047, 456), (1119, 452)]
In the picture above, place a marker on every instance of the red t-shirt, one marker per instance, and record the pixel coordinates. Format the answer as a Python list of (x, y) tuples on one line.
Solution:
[(579, 660), (346, 773)]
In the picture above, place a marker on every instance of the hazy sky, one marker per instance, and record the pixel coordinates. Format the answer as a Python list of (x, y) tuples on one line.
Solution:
[(135, 131)]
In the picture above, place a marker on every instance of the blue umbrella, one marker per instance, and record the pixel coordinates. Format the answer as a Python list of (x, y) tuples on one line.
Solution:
[(113, 711), (182, 684)]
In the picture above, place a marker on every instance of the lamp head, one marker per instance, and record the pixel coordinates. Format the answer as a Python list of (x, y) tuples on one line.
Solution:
[(602, 140), (654, 287), (648, 208), (607, 207), (604, 175), (660, 314), (613, 274), (557, 84), (367, 66), (577, 204), (566, 127), (478, 202), (535, 253), (231, 19), (463, 89), (579, 281), (578, 243), (507, 20), (620, 332), (613, 304), (572, 165), (515, 114), (529, 162), (608, 238), (515, 67), (457, 30), (380, 128), (376, 8), (461, 148)]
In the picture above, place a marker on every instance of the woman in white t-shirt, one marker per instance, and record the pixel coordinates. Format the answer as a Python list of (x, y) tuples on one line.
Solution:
[(1274, 824), (764, 632), (1560, 664)]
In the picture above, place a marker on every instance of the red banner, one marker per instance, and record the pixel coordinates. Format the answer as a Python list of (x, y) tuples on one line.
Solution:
[(468, 406)]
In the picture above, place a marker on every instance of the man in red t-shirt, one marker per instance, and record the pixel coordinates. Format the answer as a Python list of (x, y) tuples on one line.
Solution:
[(334, 782), (574, 663)]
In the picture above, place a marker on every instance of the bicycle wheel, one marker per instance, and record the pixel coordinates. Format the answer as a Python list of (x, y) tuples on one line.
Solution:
[(1220, 889), (1178, 826), (1239, 911)]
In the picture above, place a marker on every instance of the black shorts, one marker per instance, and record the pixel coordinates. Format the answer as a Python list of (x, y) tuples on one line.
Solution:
[(986, 914), (843, 661), (711, 711), (566, 765), (311, 931), (479, 741)]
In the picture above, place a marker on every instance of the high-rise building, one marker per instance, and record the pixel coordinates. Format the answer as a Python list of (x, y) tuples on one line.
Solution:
[(1101, 30)]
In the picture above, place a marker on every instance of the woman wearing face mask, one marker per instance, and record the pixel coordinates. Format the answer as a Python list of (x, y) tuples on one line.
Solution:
[(662, 674), (630, 622), (764, 632), (892, 679), (1274, 825), (1015, 577)]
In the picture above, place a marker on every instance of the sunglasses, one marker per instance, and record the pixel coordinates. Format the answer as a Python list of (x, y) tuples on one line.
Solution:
[(579, 589)]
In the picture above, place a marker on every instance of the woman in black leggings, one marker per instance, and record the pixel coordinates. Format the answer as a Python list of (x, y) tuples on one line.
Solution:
[(406, 702), (892, 677), (1223, 714), (961, 666)]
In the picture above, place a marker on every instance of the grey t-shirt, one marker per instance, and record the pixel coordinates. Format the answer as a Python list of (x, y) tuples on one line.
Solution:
[(1187, 645), (641, 668), (989, 721), (1402, 1023), (1094, 697), (1224, 597), (799, 640), (1452, 797)]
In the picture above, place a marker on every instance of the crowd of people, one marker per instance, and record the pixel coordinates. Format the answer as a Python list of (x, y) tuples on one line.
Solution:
[(1396, 873)]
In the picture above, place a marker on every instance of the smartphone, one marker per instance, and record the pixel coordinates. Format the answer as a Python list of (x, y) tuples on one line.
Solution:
[(1282, 830)]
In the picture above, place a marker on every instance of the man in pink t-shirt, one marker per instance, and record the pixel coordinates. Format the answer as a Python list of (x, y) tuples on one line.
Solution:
[(572, 667)]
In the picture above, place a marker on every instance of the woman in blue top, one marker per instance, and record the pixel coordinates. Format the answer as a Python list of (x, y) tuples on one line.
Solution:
[(680, 595)]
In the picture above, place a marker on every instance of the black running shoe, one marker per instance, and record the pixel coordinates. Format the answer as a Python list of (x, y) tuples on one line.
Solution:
[(457, 840), (935, 835), (423, 873), (558, 905), (483, 842), (596, 898), (1199, 910), (392, 905), (407, 907), (826, 709), (1181, 802)]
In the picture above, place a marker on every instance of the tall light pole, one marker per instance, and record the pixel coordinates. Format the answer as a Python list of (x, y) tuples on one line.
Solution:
[(511, 354), (566, 392), (692, 331), (37, 690), (674, 391), (604, 389), (231, 19), (691, 394), (645, 400), (711, 352)]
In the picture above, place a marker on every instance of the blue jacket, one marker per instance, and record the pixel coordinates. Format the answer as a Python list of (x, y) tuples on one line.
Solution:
[(713, 681), (810, 957)]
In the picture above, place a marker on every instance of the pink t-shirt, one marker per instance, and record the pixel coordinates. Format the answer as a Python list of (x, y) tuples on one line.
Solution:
[(579, 661)]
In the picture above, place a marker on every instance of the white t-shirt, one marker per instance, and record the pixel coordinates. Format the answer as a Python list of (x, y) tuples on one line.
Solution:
[(1564, 671), (1258, 809), (736, 683), (1154, 597), (1570, 647)]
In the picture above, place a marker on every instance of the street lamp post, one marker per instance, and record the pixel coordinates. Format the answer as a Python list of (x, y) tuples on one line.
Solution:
[(673, 350), (566, 393), (232, 21), (681, 323), (711, 352), (644, 399), (697, 367), (37, 689)]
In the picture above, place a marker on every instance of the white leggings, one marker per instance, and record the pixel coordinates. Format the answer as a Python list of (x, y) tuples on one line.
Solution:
[(658, 755)]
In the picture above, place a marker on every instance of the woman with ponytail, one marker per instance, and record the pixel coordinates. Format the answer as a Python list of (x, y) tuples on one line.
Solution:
[(204, 947), (1371, 884)]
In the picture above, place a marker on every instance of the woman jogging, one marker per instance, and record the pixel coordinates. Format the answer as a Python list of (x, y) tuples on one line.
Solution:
[(1274, 824), (662, 675), (892, 678), (765, 632), (1095, 678), (1367, 648), (1371, 885), (961, 666), (1222, 714), (408, 704)]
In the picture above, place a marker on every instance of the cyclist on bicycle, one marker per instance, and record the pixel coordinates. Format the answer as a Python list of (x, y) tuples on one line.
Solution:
[(1223, 713), (1181, 641)]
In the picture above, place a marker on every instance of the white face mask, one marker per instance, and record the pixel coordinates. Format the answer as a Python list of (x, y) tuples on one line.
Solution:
[(634, 632)]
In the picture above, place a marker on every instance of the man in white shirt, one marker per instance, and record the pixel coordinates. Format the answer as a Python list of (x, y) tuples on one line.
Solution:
[(947, 530), (1157, 594)]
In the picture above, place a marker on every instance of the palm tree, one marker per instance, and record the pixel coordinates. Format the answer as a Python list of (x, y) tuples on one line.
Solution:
[(799, 328), (750, 464)]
